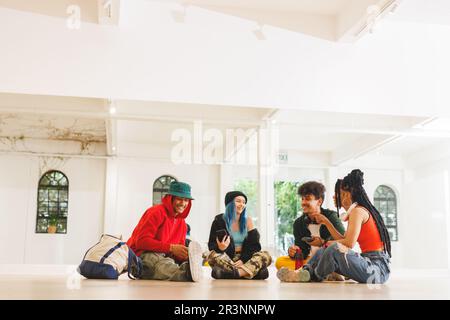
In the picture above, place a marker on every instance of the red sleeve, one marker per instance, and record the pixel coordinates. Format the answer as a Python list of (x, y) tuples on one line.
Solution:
[(183, 231), (145, 239)]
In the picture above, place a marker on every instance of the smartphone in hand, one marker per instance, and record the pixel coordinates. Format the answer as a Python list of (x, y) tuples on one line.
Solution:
[(221, 234), (307, 239)]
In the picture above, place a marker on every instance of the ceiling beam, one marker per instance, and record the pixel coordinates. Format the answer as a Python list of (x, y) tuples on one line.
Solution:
[(361, 17), (108, 12), (270, 115), (422, 132), (111, 137), (359, 148), (105, 115)]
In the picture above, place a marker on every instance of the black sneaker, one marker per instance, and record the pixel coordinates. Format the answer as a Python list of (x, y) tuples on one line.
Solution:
[(219, 273), (263, 274)]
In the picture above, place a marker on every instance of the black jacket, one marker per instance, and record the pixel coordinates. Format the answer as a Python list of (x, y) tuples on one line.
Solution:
[(250, 246), (301, 229)]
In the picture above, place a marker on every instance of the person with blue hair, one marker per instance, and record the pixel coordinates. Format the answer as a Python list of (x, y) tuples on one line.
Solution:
[(235, 249)]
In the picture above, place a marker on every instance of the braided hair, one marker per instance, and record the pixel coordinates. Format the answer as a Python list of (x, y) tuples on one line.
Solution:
[(337, 194), (353, 183)]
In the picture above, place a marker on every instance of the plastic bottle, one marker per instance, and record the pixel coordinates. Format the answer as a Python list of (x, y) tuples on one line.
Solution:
[(298, 259)]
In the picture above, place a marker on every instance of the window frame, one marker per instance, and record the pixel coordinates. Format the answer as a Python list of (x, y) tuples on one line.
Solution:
[(389, 201), (47, 201), (161, 190)]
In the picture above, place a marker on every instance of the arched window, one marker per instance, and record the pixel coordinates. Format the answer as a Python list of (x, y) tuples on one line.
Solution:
[(161, 187), (53, 203), (385, 201)]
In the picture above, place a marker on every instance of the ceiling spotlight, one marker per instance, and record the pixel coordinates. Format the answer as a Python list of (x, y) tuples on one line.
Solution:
[(112, 110), (179, 15), (394, 8), (107, 7), (373, 12), (259, 32)]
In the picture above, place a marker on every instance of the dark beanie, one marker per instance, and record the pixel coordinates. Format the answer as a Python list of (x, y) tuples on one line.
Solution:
[(233, 194)]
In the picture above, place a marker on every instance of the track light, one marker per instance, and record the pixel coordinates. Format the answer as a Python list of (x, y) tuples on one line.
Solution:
[(179, 15), (373, 12), (259, 32), (394, 8), (107, 8)]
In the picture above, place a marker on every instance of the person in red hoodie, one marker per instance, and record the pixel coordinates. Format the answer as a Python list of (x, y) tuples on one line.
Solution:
[(159, 239)]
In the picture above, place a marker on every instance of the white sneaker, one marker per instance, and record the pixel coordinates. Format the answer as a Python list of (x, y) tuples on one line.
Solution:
[(300, 275), (195, 260)]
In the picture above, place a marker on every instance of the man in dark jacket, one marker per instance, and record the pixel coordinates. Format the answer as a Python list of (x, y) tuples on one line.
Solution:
[(312, 195)]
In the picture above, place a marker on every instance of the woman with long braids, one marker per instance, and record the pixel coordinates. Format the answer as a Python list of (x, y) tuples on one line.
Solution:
[(365, 226)]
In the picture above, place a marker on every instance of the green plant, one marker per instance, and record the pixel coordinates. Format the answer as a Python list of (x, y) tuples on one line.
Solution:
[(287, 204), (52, 219)]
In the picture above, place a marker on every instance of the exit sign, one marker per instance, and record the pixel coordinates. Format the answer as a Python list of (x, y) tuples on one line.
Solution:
[(283, 157)]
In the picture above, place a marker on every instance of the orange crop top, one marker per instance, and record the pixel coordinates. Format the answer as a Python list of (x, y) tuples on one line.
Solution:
[(369, 238)]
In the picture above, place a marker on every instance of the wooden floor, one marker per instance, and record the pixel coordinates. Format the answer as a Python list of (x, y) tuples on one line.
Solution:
[(60, 282)]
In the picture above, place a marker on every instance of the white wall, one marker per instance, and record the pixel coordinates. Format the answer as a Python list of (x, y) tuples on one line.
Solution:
[(15, 190), (19, 177), (426, 211)]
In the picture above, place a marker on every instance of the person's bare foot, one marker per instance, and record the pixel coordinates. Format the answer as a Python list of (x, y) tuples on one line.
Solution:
[(242, 273), (335, 277)]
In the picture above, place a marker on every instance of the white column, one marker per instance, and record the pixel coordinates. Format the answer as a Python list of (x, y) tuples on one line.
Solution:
[(226, 184), (331, 175), (267, 148), (111, 190), (447, 212)]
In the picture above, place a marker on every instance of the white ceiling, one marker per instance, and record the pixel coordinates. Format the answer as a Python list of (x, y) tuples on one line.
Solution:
[(355, 134), (292, 139), (326, 7), (314, 17), (423, 11), (346, 121), (408, 146), (89, 8)]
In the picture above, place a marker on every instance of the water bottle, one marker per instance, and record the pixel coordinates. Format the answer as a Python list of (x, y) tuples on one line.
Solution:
[(298, 258)]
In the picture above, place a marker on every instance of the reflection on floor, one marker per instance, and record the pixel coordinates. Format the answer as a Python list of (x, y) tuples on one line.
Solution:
[(60, 282)]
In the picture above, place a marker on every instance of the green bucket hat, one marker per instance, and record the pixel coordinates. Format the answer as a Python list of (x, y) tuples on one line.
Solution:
[(180, 189)]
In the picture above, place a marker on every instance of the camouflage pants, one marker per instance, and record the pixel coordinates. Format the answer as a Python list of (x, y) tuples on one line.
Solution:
[(157, 266), (259, 260)]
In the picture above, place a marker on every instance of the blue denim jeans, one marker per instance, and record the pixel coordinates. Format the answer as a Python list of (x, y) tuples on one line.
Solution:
[(369, 267)]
